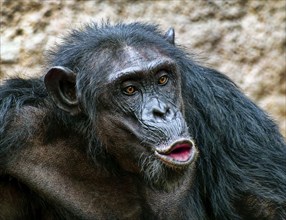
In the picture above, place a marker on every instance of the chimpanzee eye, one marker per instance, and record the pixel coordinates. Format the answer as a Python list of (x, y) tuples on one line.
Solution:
[(163, 80), (130, 90)]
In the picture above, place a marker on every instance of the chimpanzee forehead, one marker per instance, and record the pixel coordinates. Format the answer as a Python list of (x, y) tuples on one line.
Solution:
[(132, 59)]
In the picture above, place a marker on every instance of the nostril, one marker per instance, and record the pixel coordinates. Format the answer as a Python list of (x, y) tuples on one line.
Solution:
[(168, 111)]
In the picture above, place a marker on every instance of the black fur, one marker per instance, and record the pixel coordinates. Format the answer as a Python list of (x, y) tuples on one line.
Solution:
[(241, 171)]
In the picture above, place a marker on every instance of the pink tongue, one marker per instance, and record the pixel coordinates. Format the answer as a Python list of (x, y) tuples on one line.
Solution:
[(181, 152)]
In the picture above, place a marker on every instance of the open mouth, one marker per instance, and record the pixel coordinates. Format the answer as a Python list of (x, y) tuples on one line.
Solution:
[(179, 153)]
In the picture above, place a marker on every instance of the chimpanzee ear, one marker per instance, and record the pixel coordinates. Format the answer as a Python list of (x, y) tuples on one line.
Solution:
[(61, 86), (170, 36)]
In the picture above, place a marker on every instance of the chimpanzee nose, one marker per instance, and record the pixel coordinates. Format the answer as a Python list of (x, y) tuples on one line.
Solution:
[(157, 111), (161, 111)]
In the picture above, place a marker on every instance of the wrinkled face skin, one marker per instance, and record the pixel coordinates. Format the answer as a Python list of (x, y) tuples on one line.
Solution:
[(141, 118)]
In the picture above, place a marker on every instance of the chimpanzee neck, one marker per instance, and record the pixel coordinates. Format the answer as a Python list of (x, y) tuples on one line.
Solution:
[(165, 203)]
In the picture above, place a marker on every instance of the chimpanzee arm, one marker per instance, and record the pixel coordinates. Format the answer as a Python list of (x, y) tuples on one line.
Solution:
[(69, 181)]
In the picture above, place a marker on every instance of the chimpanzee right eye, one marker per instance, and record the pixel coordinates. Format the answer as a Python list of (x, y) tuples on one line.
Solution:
[(130, 90)]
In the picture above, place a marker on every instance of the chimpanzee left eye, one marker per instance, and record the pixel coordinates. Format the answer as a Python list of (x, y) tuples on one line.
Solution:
[(163, 80)]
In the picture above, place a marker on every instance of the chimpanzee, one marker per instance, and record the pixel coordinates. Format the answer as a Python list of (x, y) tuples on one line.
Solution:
[(125, 125)]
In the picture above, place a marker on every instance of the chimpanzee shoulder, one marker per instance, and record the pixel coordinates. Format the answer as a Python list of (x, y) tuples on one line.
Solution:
[(15, 94)]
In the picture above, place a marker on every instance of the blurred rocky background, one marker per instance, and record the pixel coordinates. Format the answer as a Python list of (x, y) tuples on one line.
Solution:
[(243, 39)]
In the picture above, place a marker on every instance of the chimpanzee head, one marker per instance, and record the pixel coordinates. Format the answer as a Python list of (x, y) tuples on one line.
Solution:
[(127, 81)]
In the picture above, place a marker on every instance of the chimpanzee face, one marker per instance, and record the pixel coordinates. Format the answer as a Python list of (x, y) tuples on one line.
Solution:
[(141, 120)]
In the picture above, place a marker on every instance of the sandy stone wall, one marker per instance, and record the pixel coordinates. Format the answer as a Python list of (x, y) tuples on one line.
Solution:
[(243, 39)]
